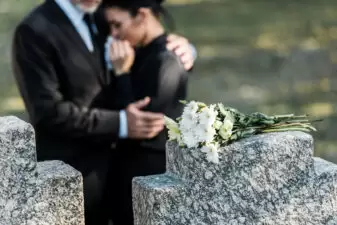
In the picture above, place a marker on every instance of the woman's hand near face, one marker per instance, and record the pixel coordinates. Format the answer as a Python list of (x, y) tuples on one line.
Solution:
[(122, 56)]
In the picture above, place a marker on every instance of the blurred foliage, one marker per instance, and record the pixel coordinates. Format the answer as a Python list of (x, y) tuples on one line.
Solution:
[(274, 56)]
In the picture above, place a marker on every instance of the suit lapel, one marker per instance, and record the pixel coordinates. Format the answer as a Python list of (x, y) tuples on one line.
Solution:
[(66, 26)]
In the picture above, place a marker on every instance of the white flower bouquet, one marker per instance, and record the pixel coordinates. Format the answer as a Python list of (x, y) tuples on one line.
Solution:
[(209, 127)]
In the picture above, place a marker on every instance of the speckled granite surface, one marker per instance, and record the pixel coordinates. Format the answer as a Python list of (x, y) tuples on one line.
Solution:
[(46, 193), (268, 179)]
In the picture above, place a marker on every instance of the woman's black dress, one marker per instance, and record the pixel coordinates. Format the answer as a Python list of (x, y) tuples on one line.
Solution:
[(159, 74)]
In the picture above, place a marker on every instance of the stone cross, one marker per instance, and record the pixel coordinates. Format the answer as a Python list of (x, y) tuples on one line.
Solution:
[(31, 193), (267, 179)]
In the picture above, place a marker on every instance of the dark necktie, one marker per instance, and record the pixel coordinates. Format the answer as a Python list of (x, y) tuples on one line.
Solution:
[(88, 19)]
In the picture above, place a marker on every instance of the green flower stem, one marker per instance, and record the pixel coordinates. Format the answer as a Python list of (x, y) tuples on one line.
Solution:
[(286, 129), (289, 124), (289, 116), (297, 121), (305, 125)]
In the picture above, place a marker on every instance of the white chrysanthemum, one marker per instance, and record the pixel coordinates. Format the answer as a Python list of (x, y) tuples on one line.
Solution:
[(205, 134), (189, 139), (187, 123), (197, 127), (173, 129), (208, 116), (226, 129), (217, 124), (189, 118), (228, 116), (210, 133), (212, 154), (191, 108), (205, 130), (225, 112), (187, 129)]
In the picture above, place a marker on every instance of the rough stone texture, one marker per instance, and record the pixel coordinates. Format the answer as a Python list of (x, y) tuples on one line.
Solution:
[(31, 193), (266, 180)]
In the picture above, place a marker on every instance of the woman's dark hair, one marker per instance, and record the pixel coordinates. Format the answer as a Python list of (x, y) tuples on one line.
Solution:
[(132, 6)]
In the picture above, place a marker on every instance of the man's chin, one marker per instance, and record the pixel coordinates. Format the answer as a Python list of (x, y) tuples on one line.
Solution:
[(87, 9)]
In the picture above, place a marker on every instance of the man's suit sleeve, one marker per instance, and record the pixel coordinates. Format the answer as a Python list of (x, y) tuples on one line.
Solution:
[(33, 64)]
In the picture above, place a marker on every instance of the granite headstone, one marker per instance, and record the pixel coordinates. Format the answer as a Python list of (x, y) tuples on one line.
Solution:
[(31, 192), (268, 179)]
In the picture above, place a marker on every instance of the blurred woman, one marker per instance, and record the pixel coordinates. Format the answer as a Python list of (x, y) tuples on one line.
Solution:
[(143, 67)]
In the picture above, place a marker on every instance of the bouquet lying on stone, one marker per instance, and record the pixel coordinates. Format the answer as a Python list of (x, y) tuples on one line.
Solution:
[(209, 127)]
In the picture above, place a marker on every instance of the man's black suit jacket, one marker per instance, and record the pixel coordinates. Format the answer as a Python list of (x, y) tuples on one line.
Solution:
[(67, 91)]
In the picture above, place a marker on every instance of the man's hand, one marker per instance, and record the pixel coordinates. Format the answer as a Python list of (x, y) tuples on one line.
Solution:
[(182, 48), (141, 124)]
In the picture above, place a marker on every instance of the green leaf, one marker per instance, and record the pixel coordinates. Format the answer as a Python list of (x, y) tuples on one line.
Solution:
[(183, 102)]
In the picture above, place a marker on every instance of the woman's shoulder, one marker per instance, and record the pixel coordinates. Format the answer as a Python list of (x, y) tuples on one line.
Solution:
[(162, 54), (169, 58)]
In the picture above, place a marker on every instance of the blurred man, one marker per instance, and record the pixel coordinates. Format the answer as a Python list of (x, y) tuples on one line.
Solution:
[(58, 61)]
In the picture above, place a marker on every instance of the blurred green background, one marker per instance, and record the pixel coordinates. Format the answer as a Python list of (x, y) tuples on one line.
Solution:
[(273, 56)]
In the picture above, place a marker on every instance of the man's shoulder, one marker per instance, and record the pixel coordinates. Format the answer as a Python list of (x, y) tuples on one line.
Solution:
[(36, 19)]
